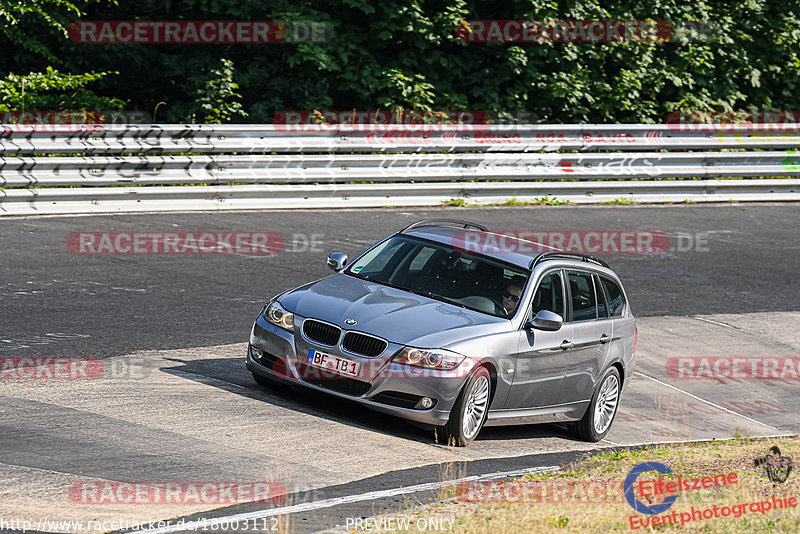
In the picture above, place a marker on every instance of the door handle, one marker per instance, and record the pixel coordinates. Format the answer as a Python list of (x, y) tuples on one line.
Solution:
[(604, 338), (567, 344)]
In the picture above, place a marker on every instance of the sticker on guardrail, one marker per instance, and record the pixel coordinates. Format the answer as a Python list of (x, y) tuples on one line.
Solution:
[(789, 164)]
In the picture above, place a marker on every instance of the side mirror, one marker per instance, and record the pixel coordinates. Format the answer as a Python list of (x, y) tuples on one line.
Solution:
[(337, 261), (547, 321)]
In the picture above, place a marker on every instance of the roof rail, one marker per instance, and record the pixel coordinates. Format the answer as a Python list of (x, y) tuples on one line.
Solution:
[(443, 222), (568, 256)]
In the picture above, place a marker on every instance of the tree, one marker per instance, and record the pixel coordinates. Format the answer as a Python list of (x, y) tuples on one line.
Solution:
[(218, 98), (48, 89)]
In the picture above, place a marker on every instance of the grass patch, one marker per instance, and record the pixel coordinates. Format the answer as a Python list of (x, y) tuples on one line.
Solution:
[(618, 201), (458, 202), (686, 460), (546, 200)]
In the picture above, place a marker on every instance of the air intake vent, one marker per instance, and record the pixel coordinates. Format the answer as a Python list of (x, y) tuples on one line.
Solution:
[(397, 398), (363, 344), (323, 333), (348, 386)]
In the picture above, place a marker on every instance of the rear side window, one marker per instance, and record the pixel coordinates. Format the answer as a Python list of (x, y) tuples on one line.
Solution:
[(616, 302), (602, 312), (584, 302)]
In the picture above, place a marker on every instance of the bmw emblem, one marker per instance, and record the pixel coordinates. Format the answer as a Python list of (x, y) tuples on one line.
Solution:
[(350, 322)]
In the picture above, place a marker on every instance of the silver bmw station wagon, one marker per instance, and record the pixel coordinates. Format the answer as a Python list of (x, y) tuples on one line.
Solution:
[(423, 326)]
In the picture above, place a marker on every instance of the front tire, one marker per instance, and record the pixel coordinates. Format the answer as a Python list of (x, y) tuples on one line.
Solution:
[(596, 422), (470, 410)]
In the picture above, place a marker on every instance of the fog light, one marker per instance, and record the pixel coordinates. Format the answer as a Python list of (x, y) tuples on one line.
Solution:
[(256, 352), (426, 402)]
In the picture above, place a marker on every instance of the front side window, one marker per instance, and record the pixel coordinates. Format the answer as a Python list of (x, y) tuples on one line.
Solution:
[(584, 302), (549, 295)]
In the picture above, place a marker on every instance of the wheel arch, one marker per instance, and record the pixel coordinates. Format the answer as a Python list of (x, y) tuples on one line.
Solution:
[(492, 377), (621, 371)]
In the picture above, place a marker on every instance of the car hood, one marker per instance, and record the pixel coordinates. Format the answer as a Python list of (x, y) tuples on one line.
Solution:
[(393, 314)]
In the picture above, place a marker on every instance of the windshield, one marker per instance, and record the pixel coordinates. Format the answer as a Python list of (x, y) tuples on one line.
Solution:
[(437, 271)]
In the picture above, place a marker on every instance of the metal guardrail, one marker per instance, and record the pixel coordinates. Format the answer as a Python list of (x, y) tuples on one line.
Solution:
[(289, 167), (206, 139), (213, 198), (160, 170)]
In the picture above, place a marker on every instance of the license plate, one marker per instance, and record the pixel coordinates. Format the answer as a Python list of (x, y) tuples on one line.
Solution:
[(330, 362)]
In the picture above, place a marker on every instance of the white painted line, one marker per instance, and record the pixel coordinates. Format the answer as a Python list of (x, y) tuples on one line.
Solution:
[(712, 322), (705, 440), (203, 524), (707, 402)]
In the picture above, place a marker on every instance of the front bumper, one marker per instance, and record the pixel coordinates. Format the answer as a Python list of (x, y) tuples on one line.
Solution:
[(386, 387)]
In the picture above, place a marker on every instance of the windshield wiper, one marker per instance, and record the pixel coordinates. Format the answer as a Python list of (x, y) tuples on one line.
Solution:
[(356, 275), (446, 299), (406, 288), (429, 294)]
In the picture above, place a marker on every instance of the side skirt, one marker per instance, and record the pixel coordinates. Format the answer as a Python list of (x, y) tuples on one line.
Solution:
[(546, 414)]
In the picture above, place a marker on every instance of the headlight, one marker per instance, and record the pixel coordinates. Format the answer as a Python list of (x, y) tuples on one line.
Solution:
[(277, 315), (429, 358)]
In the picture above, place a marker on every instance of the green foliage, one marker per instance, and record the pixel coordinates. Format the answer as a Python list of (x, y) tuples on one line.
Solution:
[(513, 202), (547, 200), (614, 456), (620, 200), (406, 92), (31, 29), (456, 202), (218, 98), (18, 16), (53, 90), (406, 56), (789, 164)]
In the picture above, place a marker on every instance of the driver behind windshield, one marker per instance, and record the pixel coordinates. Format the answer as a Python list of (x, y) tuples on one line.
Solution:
[(512, 294)]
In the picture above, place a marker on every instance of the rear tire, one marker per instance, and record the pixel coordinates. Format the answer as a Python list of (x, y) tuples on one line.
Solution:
[(470, 410), (599, 416)]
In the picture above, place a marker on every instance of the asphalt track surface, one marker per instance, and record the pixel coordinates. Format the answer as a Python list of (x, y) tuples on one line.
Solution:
[(182, 407), (106, 305)]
